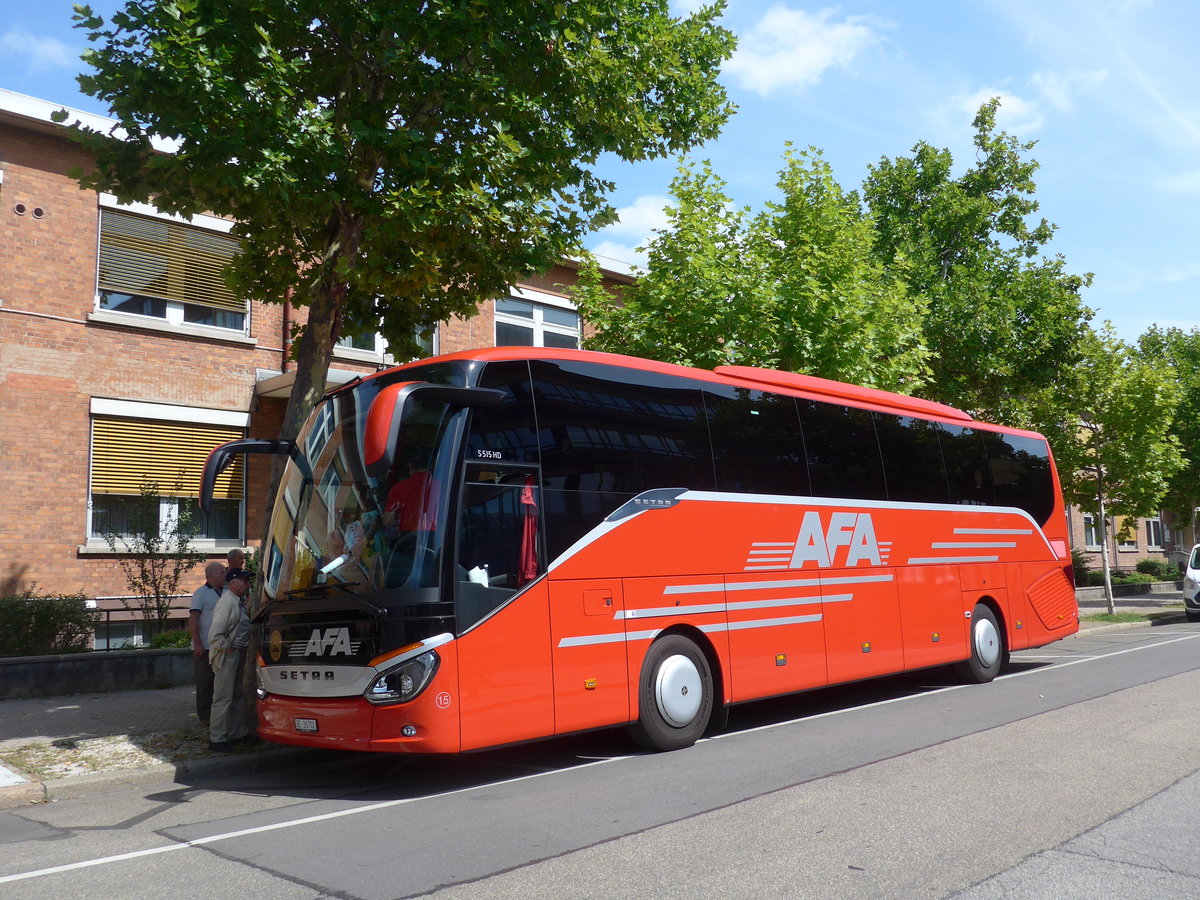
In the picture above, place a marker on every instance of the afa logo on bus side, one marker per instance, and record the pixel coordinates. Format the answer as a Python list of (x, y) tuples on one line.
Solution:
[(851, 532)]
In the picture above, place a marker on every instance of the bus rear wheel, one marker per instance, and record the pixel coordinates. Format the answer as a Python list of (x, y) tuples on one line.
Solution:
[(675, 695), (987, 648)]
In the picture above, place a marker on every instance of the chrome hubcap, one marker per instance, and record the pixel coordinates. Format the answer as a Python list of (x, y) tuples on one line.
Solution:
[(678, 691), (987, 642)]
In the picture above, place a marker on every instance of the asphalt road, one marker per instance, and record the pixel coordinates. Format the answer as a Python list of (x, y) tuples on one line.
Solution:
[(1044, 783)]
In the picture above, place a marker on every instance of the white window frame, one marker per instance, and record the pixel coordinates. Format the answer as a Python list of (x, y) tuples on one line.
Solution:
[(1151, 529), (538, 325), (173, 321), (1091, 529)]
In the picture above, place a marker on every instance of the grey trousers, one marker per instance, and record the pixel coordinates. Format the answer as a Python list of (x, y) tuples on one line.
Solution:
[(204, 687), (228, 722)]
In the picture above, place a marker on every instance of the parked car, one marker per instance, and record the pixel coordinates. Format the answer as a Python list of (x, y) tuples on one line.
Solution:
[(1191, 585)]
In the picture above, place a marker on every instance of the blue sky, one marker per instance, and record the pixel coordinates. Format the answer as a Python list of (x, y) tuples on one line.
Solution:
[(1107, 88)]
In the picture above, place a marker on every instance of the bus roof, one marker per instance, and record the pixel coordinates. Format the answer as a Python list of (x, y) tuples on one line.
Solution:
[(808, 386)]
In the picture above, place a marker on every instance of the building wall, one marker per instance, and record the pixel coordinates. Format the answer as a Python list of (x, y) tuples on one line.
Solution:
[(57, 355), (1177, 540)]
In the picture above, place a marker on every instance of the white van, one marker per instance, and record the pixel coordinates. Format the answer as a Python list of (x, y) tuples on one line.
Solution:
[(1191, 585)]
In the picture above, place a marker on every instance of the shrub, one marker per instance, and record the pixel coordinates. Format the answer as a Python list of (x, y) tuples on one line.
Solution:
[(1160, 569), (33, 624), (1096, 579), (167, 640), (1079, 563)]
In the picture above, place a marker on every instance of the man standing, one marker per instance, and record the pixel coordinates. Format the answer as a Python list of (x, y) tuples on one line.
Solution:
[(204, 601), (227, 641)]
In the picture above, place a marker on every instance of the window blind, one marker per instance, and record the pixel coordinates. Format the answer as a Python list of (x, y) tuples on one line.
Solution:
[(127, 453), (154, 257)]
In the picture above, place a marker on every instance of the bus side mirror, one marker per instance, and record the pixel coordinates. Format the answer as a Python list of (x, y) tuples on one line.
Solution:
[(221, 457), (381, 437)]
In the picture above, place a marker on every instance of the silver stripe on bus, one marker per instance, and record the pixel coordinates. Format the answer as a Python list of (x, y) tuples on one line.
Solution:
[(972, 545), (814, 582), (938, 560), (761, 623), (993, 531), (591, 639), (658, 612), (587, 640)]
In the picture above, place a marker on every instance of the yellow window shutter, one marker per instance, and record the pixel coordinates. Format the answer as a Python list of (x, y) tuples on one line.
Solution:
[(127, 453), (158, 258)]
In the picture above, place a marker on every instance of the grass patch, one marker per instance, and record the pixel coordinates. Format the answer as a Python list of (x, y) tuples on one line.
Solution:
[(1119, 617)]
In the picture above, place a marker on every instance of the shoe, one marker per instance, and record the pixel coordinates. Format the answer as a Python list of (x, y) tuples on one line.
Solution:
[(249, 739), (220, 746)]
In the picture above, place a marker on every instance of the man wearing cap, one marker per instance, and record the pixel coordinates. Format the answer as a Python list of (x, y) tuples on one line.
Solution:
[(227, 641)]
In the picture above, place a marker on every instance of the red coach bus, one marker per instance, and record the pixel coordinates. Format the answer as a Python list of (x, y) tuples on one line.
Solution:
[(514, 543)]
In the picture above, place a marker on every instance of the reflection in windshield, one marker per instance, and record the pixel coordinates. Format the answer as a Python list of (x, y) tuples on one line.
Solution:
[(361, 532)]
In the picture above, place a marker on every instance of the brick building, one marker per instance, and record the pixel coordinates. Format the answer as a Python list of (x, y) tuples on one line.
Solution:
[(1153, 537), (124, 357)]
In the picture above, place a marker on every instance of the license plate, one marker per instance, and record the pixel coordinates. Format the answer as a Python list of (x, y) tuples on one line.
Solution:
[(307, 725)]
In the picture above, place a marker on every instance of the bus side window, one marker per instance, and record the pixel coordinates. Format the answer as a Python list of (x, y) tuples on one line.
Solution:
[(912, 458), (1020, 469), (616, 430), (508, 432), (967, 466), (757, 444), (842, 450)]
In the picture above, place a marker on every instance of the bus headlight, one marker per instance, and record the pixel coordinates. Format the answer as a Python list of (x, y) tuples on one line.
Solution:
[(405, 681)]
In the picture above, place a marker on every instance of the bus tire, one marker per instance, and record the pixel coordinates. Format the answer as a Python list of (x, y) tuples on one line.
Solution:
[(675, 695), (987, 648)]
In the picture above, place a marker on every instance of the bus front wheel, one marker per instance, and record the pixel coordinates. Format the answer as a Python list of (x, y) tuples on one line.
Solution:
[(675, 696), (987, 648)]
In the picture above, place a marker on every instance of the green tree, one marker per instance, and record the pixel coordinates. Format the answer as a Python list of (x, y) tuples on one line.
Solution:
[(155, 552), (1179, 350), (839, 313), (390, 165), (1109, 421), (794, 287), (1003, 320), (700, 300)]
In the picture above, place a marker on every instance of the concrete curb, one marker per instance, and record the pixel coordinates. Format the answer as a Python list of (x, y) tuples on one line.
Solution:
[(183, 772)]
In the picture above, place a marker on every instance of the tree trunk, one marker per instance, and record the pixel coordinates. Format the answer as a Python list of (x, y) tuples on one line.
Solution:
[(1108, 591)]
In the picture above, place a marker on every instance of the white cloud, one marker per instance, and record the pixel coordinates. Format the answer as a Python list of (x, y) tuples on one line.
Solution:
[(792, 48), (1060, 89), (40, 54), (636, 222), (1016, 115), (615, 255), (1183, 183)]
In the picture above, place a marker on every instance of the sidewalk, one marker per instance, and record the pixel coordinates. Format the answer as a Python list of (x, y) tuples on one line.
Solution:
[(55, 747)]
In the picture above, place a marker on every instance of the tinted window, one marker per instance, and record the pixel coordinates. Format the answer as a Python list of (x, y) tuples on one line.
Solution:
[(966, 466), (505, 433), (570, 515), (1021, 477), (842, 450), (756, 440), (610, 429), (912, 459)]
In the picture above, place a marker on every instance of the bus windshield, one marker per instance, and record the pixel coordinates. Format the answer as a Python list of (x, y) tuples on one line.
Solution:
[(336, 525)]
